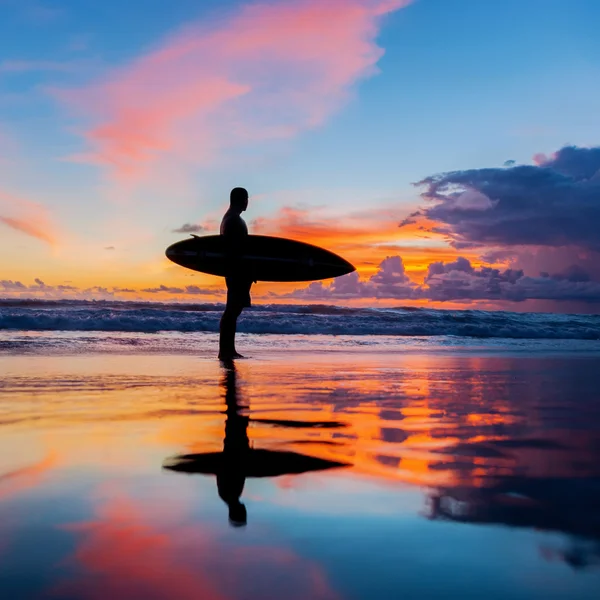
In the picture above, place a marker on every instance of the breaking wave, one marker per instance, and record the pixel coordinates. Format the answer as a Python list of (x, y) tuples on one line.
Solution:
[(39, 315)]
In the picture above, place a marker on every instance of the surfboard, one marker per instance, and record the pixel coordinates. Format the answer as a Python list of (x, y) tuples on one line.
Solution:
[(252, 463), (264, 258)]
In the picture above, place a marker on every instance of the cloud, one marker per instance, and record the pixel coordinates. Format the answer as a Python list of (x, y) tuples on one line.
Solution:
[(460, 281), (390, 281), (391, 272), (28, 228), (12, 286), (574, 273), (27, 217), (555, 203), (457, 281), (364, 237), (189, 228), (39, 289), (189, 289), (269, 71), (195, 290), (109, 248), (164, 289)]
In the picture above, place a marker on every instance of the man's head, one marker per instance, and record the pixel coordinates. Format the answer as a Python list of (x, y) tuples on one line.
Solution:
[(238, 199)]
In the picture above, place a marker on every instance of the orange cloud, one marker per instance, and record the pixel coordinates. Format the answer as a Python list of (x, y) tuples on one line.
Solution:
[(27, 217), (268, 71), (363, 237)]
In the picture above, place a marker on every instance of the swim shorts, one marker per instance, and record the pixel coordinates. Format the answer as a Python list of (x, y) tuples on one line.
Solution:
[(238, 292)]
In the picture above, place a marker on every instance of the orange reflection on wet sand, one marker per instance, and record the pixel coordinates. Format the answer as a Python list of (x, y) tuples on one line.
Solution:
[(420, 419), (133, 548), (482, 436)]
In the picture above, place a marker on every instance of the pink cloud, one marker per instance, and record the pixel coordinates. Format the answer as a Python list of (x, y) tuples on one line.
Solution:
[(269, 71), (540, 159), (28, 217)]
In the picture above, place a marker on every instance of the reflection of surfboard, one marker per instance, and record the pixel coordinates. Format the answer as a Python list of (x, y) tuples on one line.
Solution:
[(253, 463), (264, 258)]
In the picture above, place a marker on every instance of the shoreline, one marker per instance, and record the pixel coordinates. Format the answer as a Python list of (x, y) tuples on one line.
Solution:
[(265, 346)]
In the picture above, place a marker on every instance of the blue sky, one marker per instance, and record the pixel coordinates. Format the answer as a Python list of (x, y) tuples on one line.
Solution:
[(461, 85)]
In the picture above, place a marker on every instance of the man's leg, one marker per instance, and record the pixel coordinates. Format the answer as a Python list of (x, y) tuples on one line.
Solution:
[(238, 297), (227, 331)]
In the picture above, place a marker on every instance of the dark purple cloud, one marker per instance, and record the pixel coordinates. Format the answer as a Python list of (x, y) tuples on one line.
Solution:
[(573, 273), (40, 289), (194, 289), (164, 289), (12, 286), (555, 203), (189, 289), (189, 228), (460, 281), (390, 281), (457, 281)]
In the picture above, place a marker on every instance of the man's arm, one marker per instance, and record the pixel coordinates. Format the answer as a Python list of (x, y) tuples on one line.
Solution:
[(235, 233)]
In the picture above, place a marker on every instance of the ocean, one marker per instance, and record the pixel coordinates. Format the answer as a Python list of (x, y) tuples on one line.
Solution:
[(31, 325)]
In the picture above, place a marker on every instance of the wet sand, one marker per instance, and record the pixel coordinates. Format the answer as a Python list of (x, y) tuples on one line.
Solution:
[(300, 475)]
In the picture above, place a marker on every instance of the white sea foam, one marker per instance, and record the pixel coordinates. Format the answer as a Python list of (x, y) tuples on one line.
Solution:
[(77, 316)]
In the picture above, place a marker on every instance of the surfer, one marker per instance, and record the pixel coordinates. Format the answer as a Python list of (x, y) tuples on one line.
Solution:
[(235, 232)]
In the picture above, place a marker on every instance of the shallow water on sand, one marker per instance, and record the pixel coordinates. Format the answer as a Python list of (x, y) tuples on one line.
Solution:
[(357, 475)]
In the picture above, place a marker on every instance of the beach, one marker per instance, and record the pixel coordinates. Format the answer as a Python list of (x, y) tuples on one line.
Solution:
[(431, 468)]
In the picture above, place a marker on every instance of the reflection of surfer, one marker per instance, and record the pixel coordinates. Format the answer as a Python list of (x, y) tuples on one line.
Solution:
[(235, 232), (231, 475), (238, 461)]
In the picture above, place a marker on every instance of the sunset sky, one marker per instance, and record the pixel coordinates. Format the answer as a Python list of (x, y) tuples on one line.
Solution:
[(123, 126)]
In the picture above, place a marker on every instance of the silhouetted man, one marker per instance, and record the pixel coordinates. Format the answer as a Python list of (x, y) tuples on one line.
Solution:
[(235, 232)]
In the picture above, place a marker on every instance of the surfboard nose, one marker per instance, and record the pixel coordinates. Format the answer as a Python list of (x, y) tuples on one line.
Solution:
[(350, 268), (178, 250), (178, 254)]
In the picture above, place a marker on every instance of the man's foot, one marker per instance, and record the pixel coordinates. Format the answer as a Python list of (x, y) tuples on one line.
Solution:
[(228, 356)]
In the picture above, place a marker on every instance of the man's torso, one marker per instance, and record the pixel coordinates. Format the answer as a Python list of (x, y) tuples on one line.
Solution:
[(235, 231), (233, 226)]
